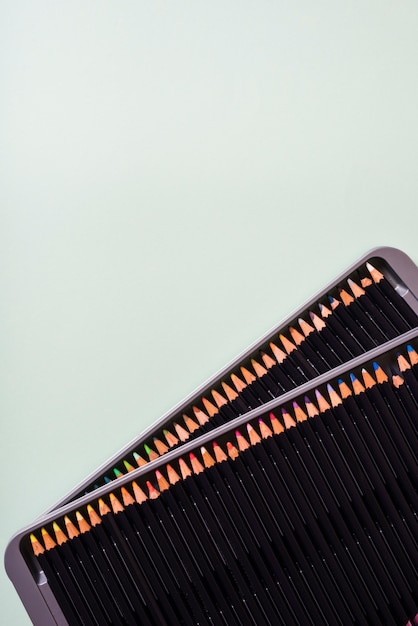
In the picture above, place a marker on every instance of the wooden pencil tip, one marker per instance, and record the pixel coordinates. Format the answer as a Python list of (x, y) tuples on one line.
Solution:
[(333, 396), (374, 273), (288, 420), (368, 380), (357, 291), (248, 376), (306, 328), (297, 337), (381, 377), (322, 403), (287, 344), (258, 368)]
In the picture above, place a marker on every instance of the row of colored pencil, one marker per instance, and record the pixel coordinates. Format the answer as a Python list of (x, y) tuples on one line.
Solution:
[(356, 317), (306, 514)]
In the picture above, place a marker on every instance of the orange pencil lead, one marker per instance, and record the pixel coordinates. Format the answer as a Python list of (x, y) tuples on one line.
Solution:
[(297, 337), (279, 355), (172, 475), (306, 328), (375, 274), (268, 361), (333, 396), (37, 547), (72, 530), (139, 494), (317, 321), (276, 424), (127, 499), (345, 297), (231, 394), (299, 413), (219, 399), (95, 520), (220, 455), (153, 492), (253, 435), (210, 408), (49, 543), (265, 431), (116, 505), (182, 433), (197, 467), (170, 438), (322, 403), (287, 344), (310, 407), (232, 450), (200, 415), (258, 368), (381, 377), (241, 441), (208, 460), (402, 363), (356, 289), (288, 420), (238, 383), (139, 460), (184, 469), (60, 535), (368, 380), (160, 445), (248, 376), (103, 508), (163, 483)]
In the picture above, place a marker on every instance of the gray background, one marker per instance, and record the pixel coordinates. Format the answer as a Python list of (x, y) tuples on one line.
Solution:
[(175, 178)]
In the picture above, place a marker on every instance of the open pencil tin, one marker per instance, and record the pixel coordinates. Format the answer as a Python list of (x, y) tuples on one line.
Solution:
[(399, 271), (23, 568)]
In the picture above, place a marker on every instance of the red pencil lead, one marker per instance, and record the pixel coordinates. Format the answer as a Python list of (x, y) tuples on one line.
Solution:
[(276, 424)]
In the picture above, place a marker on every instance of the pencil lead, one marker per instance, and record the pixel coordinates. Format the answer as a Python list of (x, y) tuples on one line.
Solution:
[(288, 420), (397, 379), (172, 475), (163, 483), (116, 505), (95, 520), (374, 273), (241, 441), (60, 535), (355, 288), (402, 363), (139, 495), (287, 344), (139, 460), (276, 424), (310, 407), (268, 361), (232, 450), (49, 543), (253, 435), (200, 415), (333, 302), (333, 396), (191, 424), (208, 460), (107, 480), (220, 455), (325, 311), (127, 499), (152, 455), (279, 355), (219, 399), (103, 508), (160, 445), (306, 328), (129, 467), (210, 408), (170, 438), (197, 467), (322, 403), (299, 412), (265, 431), (381, 377), (231, 394), (413, 356), (345, 297), (357, 386), (37, 547), (83, 525), (72, 530), (117, 473), (238, 383), (297, 337), (182, 433), (248, 376), (345, 390), (258, 368), (184, 469), (366, 282), (368, 380), (317, 321), (153, 492)]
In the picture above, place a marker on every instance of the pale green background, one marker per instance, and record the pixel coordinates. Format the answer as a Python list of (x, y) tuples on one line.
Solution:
[(175, 178)]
